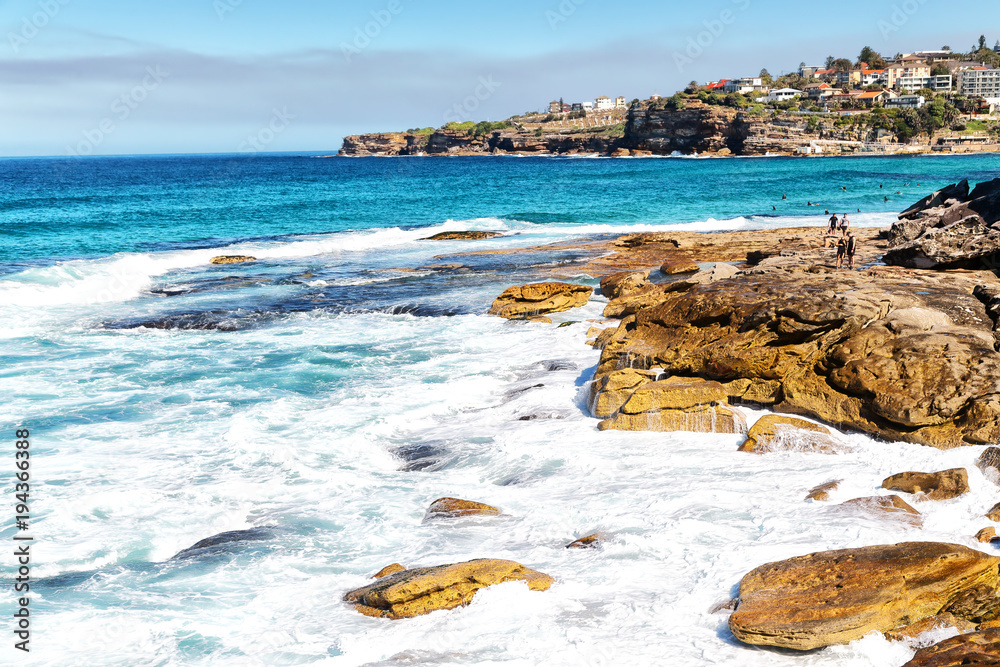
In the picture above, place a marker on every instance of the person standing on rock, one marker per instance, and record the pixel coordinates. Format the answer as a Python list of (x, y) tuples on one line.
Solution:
[(851, 247), (845, 224), (841, 250), (830, 236)]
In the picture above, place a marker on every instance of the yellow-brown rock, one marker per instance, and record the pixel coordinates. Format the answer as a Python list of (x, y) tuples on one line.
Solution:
[(422, 590), (764, 392), (914, 630), (975, 648), (822, 492), (886, 506), (588, 542), (987, 534), (994, 513), (677, 404), (609, 392), (932, 485), (773, 433), (233, 259), (989, 463), (673, 266), (835, 597), (624, 283), (387, 570), (539, 298), (453, 507)]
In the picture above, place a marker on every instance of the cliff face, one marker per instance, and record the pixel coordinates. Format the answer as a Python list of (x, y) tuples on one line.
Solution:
[(698, 128), (649, 130)]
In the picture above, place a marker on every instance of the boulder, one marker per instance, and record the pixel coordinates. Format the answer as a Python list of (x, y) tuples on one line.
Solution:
[(968, 243), (233, 259), (611, 391), (975, 648), (677, 404), (835, 597), (387, 570), (422, 590), (539, 298), (706, 276), (588, 542), (624, 284), (892, 507), (225, 541), (674, 266), (462, 236), (774, 433), (822, 492), (989, 463), (959, 191), (987, 534), (455, 507), (933, 485), (994, 513)]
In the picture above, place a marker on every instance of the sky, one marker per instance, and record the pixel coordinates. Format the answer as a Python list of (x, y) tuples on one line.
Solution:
[(104, 77)]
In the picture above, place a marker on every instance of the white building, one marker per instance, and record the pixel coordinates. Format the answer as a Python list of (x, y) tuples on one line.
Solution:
[(979, 82), (620, 103), (780, 95), (603, 103), (909, 101), (587, 106), (750, 84), (939, 84)]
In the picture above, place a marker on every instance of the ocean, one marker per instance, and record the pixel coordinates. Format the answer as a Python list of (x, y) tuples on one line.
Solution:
[(327, 393)]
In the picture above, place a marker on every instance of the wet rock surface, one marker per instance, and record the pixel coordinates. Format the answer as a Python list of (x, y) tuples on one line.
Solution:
[(418, 591), (456, 507), (834, 597), (539, 298), (774, 433), (931, 485), (974, 648)]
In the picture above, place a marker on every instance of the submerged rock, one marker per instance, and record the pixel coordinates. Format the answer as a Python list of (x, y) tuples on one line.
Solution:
[(455, 507), (834, 597), (937, 622), (933, 485), (677, 404), (974, 648), (539, 298), (822, 492), (987, 534), (462, 236), (588, 542), (994, 513), (232, 259), (419, 591), (989, 463), (773, 433), (886, 506), (217, 543)]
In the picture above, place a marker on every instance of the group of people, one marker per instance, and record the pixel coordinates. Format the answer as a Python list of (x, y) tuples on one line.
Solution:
[(839, 235)]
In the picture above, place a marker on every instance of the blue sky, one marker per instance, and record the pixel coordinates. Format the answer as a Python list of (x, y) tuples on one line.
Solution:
[(117, 77)]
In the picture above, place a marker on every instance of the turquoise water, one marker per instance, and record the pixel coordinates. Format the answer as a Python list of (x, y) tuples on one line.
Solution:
[(326, 394)]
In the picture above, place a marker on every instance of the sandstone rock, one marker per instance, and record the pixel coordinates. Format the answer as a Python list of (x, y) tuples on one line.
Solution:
[(706, 276), (611, 391), (773, 433), (423, 590), (989, 463), (892, 507), (975, 648), (763, 392), (678, 265), (387, 570), (677, 404), (539, 298), (958, 191), (540, 319), (994, 513), (934, 485), (455, 507), (624, 283), (835, 597), (987, 534), (940, 621), (588, 542), (462, 236), (233, 259), (620, 152), (822, 492)]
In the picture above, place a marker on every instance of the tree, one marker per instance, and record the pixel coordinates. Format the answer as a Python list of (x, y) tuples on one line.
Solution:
[(982, 42), (940, 70), (829, 62), (872, 57), (692, 88), (765, 77), (675, 102), (842, 65)]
